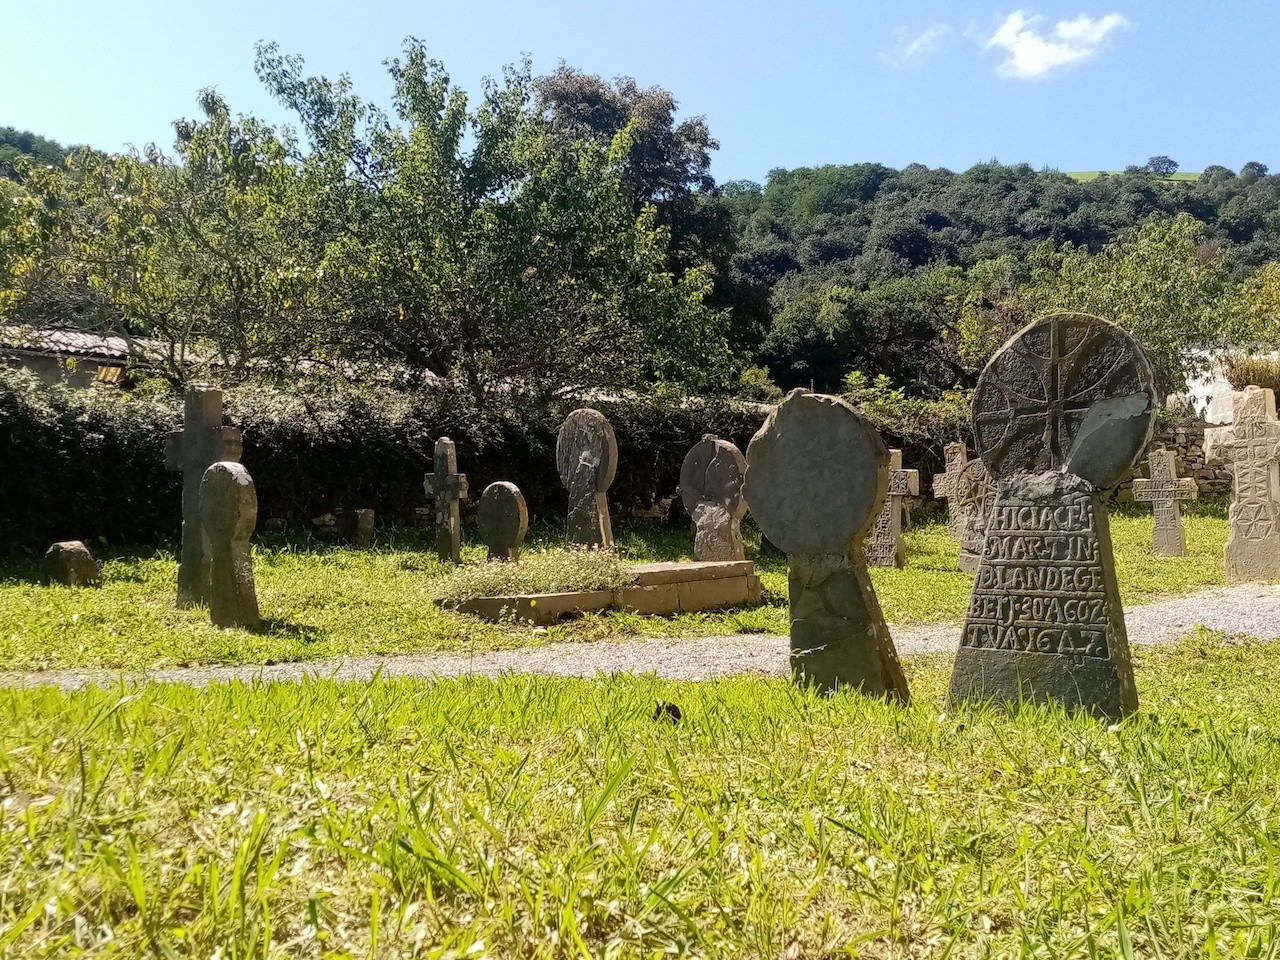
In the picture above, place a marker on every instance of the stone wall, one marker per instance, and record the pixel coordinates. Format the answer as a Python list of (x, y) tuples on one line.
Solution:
[(1186, 440)]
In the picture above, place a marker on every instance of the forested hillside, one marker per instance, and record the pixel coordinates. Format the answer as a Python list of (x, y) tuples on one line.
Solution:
[(566, 232)]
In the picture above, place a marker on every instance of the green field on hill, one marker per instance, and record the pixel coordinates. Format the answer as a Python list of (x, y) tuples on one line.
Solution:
[(1084, 176)]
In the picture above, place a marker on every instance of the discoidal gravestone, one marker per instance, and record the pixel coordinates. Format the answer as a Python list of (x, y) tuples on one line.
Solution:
[(587, 458), (1060, 414), (711, 488), (817, 475), (503, 519), (228, 514), (71, 564)]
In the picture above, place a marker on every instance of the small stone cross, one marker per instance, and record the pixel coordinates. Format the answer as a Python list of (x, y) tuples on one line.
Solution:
[(201, 442), (228, 514), (1164, 490), (447, 486), (884, 546), (1250, 448), (956, 455)]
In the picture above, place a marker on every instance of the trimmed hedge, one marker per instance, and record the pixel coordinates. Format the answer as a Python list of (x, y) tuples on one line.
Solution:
[(83, 464)]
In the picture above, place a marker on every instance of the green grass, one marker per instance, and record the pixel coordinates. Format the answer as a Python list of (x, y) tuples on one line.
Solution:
[(555, 818), (324, 601)]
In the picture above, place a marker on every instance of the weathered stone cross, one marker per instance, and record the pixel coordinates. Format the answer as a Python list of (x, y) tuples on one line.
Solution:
[(201, 442), (884, 546), (447, 486), (1250, 448), (1164, 490), (956, 455)]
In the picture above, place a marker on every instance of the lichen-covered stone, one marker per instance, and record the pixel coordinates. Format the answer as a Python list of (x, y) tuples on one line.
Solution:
[(884, 544), (1250, 447), (228, 514), (955, 456), (1060, 414), (448, 487), (817, 474), (711, 488), (1165, 491), (202, 441), (71, 564), (587, 458)]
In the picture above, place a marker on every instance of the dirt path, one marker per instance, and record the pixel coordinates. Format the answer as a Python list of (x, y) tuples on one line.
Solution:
[(1252, 609)]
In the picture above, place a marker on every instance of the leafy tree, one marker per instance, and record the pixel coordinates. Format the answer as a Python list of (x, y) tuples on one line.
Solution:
[(1161, 166), (22, 148)]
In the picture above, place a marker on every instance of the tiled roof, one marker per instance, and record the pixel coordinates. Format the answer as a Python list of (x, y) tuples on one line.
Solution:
[(66, 343)]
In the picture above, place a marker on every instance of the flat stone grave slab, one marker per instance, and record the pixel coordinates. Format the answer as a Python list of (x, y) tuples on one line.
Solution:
[(658, 589)]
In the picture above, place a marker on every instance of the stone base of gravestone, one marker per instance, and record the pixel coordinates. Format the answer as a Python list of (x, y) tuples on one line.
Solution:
[(1045, 622), (838, 634), (71, 564), (355, 527)]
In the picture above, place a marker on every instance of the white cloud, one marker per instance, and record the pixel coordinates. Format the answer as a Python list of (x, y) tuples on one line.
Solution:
[(918, 47), (1031, 54)]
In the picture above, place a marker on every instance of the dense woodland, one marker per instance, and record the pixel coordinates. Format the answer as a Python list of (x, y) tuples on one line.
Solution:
[(564, 232)]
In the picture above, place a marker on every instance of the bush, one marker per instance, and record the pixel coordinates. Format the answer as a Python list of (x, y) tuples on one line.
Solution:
[(84, 464), (1243, 369)]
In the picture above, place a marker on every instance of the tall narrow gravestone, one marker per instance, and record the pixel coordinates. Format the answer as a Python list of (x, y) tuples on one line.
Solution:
[(228, 514), (975, 496), (587, 458), (202, 441), (1165, 491), (884, 546), (503, 519), (1060, 414), (1250, 447), (448, 487), (955, 455), (711, 488), (817, 474)]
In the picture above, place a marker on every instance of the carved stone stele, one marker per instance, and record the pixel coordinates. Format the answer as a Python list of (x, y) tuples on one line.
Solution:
[(711, 488), (1060, 414), (817, 474)]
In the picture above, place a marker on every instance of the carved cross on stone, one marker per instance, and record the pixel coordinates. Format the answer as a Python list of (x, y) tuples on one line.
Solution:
[(228, 514), (447, 486), (1164, 490), (1250, 448), (884, 546), (201, 442), (956, 455)]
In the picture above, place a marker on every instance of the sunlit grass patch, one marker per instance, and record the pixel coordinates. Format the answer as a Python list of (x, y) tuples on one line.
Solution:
[(547, 817)]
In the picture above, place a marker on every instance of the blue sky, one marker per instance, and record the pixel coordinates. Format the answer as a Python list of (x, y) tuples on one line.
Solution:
[(1091, 84)]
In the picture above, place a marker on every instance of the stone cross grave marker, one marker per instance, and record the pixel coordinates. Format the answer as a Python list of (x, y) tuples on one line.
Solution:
[(448, 487), (587, 458), (1164, 490), (817, 475), (228, 514), (1250, 448), (503, 519), (975, 496), (884, 546), (1060, 414), (202, 441), (711, 488), (955, 455)]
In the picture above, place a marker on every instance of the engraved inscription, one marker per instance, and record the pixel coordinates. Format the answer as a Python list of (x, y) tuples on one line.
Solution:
[(1041, 587)]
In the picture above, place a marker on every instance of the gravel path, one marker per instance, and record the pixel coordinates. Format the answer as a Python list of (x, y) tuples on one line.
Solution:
[(1252, 609)]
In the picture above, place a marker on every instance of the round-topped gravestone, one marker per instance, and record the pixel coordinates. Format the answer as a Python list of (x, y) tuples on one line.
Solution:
[(228, 515), (1069, 392), (1060, 414), (817, 474), (503, 519), (711, 488), (587, 458)]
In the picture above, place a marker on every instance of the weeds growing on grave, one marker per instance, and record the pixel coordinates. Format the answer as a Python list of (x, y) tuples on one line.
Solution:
[(552, 817), (321, 600), (547, 570)]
